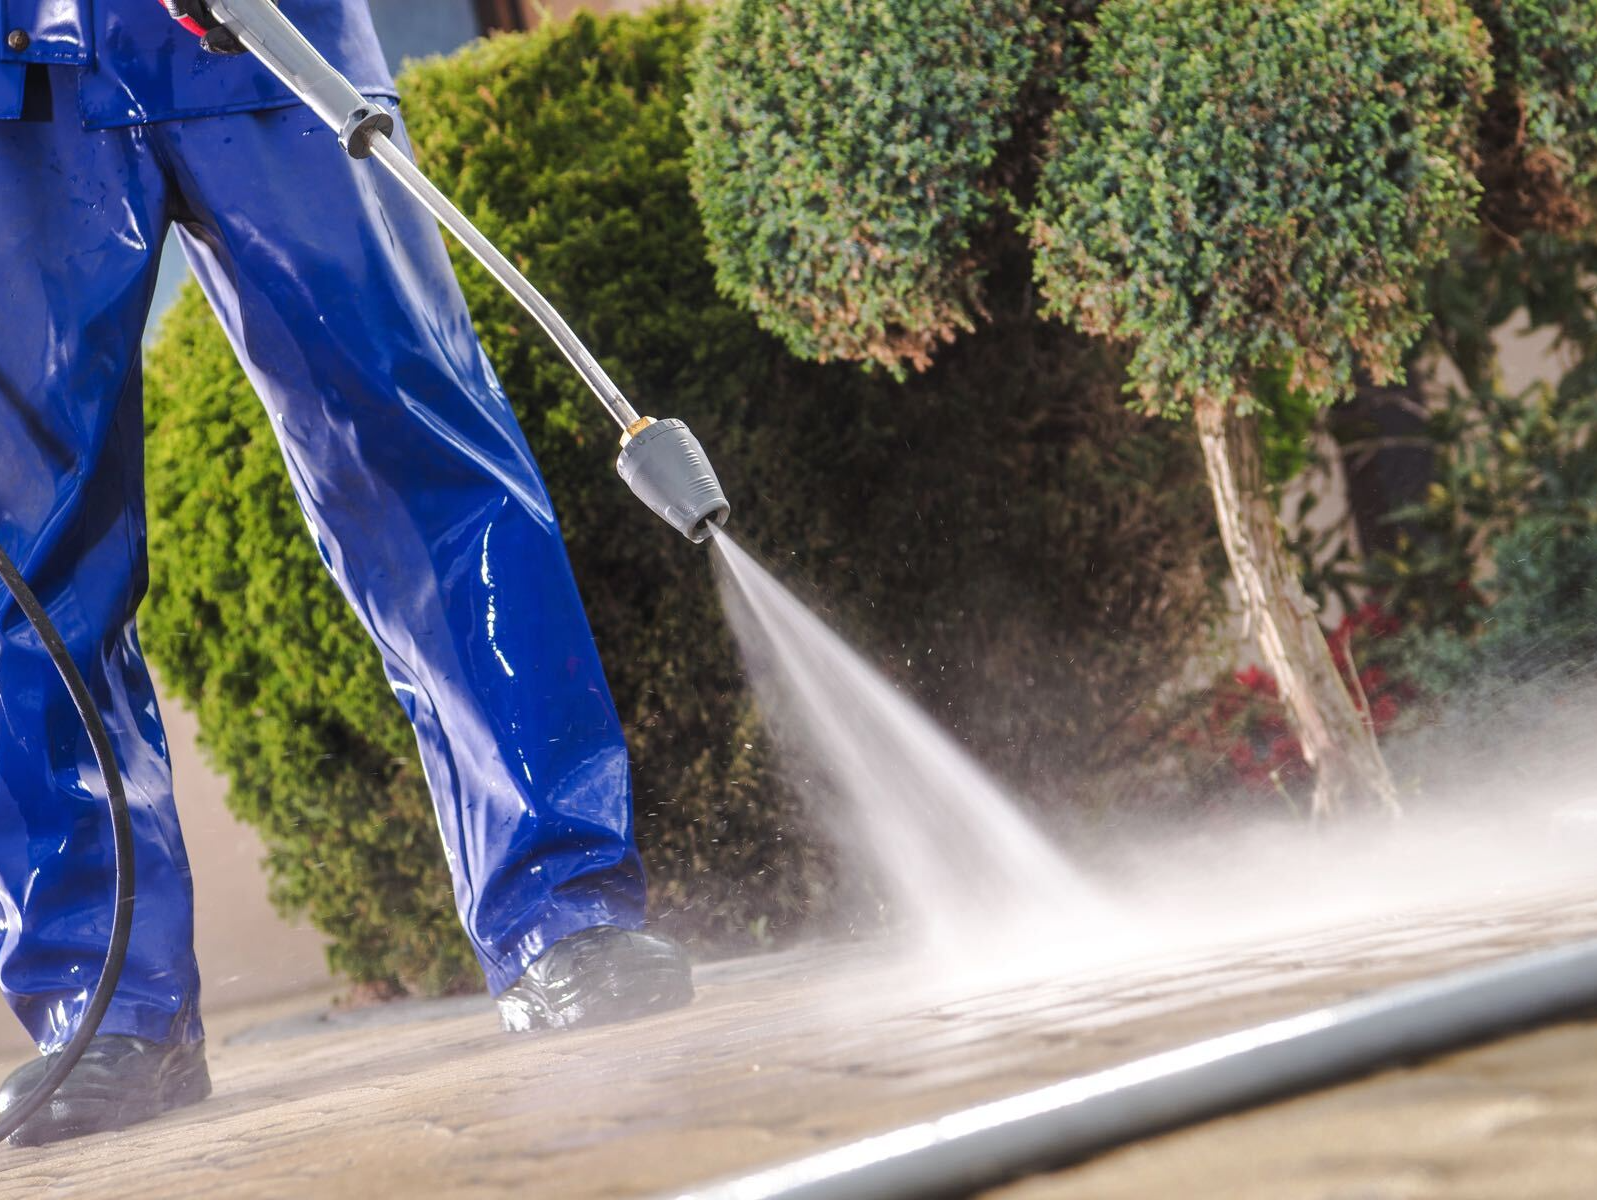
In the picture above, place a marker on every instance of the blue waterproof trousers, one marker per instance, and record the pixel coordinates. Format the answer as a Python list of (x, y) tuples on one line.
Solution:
[(341, 303)]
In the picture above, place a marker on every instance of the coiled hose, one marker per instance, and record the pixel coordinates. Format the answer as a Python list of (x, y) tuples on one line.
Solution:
[(67, 1057)]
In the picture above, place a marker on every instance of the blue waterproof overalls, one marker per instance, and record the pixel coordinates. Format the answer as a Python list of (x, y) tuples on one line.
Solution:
[(340, 302)]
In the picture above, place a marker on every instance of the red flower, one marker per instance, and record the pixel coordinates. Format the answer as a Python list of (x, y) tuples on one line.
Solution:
[(1383, 711), (1285, 751), (1245, 726), (1258, 681)]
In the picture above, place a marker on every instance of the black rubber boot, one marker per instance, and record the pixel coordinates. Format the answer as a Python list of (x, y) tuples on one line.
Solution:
[(598, 976), (118, 1082)]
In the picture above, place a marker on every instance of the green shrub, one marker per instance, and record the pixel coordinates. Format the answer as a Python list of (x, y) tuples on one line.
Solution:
[(1545, 112), (1538, 615), (1043, 545), (1247, 187), (1496, 570), (1516, 663), (843, 155)]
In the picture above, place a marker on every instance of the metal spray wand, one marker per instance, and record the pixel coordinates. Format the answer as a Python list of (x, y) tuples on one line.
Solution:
[(661, 461)]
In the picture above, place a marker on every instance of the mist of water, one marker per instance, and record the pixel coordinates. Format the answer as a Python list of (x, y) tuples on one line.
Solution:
[(960, 863), (963, 866)]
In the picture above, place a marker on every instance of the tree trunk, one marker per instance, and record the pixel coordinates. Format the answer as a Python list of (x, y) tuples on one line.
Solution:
[(1337, 740)]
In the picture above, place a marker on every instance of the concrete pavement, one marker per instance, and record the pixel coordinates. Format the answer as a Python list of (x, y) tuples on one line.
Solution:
[(781, 1056)]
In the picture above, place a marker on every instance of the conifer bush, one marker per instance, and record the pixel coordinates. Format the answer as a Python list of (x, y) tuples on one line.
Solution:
[(1239, 189), (1251, 196), (1247, 195), (843, 161), (1052, 549), (1541, 136)]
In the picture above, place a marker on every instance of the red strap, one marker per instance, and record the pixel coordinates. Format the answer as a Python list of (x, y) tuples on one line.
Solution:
[(188, 23)]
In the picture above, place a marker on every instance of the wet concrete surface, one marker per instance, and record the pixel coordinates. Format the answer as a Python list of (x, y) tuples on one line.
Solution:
[(1515, 1120), (788, 1054)]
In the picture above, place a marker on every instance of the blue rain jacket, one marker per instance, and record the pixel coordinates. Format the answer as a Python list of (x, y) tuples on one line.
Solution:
[(413, 475), (134, 66)]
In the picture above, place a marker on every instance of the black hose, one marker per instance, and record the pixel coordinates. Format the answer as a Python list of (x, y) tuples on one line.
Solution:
[(122, 839)]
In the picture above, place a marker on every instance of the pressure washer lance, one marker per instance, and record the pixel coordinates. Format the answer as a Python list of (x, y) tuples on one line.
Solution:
[(661, 461)]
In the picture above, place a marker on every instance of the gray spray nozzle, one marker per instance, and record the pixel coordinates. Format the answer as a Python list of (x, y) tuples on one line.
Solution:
[(668, 470)]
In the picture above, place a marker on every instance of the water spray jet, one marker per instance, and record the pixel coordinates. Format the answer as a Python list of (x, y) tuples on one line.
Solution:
[(961, 863)]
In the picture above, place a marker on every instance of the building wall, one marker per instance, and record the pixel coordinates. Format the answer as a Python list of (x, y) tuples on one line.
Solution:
[(409, 29), (524, 14)]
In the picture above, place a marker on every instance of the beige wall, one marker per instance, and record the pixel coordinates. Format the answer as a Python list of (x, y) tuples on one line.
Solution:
[(247, 952), (560, 9)]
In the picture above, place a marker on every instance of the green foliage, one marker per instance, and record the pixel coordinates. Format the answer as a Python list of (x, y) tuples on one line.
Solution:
[(1546, 51), (1499, 459), (1545, 283), (1507, 527), (973, 528), (843, 161), (1286, 426), (1539, 621), (1491, 572), (1240, 188)]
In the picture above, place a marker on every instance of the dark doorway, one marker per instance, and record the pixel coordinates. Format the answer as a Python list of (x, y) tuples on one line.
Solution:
[(504, 14)]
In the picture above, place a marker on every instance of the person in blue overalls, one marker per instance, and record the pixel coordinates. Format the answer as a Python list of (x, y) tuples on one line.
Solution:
[(415, 480)]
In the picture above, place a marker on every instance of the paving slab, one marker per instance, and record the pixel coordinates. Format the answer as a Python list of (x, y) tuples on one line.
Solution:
[(780, 1056), (1515, 1120)]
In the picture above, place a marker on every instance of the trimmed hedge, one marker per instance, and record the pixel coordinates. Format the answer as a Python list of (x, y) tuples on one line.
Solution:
[(999, 523), (842, 158), (1543, 131), (1248, 188)]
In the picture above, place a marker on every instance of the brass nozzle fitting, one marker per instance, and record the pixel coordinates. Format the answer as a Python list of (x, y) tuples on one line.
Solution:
[(636, 428), (668, 470)]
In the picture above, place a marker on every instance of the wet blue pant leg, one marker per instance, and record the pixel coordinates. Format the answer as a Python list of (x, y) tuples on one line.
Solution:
[(81, 221), (419, 486)]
